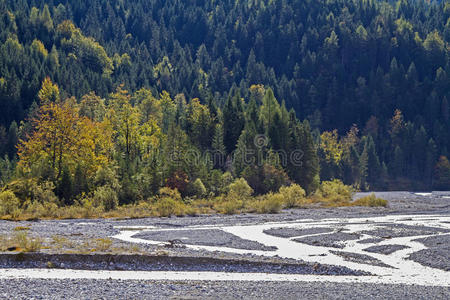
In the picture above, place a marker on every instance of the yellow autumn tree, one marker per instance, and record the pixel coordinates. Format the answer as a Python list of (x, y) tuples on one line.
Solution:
[(49, 91), (331, 146), (61, 138)]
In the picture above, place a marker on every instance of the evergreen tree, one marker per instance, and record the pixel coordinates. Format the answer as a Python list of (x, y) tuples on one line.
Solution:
[(233, 121)]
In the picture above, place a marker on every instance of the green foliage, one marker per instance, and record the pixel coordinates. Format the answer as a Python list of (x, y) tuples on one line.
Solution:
[(293, 195), (334, 193), (240, 189), (105, 197), (270, 204), (442, 174), (198, 188), (166, 207), (64, 187), (266, 178), (371, 201), (26, 243), (123, 131), (9, 203), (166, 192)]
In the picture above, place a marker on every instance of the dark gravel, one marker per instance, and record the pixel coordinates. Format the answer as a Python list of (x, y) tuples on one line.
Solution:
[(385, 249), (329, 240), (370, 241), (291, 232), (207, 237), (401, 230), (116, 289), (361, 258), (165, 263), (438, 253)]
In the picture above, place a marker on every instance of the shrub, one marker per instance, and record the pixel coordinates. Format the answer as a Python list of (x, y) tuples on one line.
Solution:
[(44, 193), (26, 243), (266, 178), (240, 189), (23, 188), (178, 180), (227, 179), (106, 197), (42, 210), (271, 204), (170, 193), (166, 207), (293, 195), (29, 190), (103, 244), (334, 193), (107, 176), (9, 203), (198, 188), (370, 200), (229, 205)]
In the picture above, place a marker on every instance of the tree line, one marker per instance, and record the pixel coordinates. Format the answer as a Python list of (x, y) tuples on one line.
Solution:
[(370, 79)]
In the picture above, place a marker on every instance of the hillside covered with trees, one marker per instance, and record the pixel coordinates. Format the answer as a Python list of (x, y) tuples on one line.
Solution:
[(118, 99)]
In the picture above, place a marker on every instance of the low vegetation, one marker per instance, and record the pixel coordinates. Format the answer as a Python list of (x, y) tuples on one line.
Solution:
[(238, 197), (371, 201), (20, 241)]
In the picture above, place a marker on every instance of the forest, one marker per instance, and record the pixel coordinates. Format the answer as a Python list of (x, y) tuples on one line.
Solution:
[(117, 102)]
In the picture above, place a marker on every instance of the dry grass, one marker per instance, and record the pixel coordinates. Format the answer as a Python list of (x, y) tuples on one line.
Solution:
[(20, 241)]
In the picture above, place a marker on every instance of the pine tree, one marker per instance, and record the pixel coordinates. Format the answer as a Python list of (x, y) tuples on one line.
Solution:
[(13, 133), (218, 147), (233, 121)]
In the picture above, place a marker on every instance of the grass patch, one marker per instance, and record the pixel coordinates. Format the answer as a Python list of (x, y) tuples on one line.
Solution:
[(23, 242), (103, 244), (21, 228)]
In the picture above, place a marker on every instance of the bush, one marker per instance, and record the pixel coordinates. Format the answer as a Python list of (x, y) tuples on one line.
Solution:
[(30, 190), (240, 189), (106, 197), (23, 188), (334, 193), (167, 192), (179, 181), (227, 179), (198, 188), (107, 177), (266, 178), (166, 207), (229, 205), (293, 196), (270, 204), (371, 201), (42, 210), (215, 182), (43, 193), (9, 203), (26, 243)]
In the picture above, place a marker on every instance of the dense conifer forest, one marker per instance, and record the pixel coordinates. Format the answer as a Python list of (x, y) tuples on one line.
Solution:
[(113, 99)]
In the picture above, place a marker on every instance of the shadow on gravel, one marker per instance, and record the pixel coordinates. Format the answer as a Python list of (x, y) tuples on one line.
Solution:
[(163, 263)]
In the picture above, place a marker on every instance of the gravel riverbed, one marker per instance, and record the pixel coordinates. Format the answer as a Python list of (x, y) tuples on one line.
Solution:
[(169, 239)]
